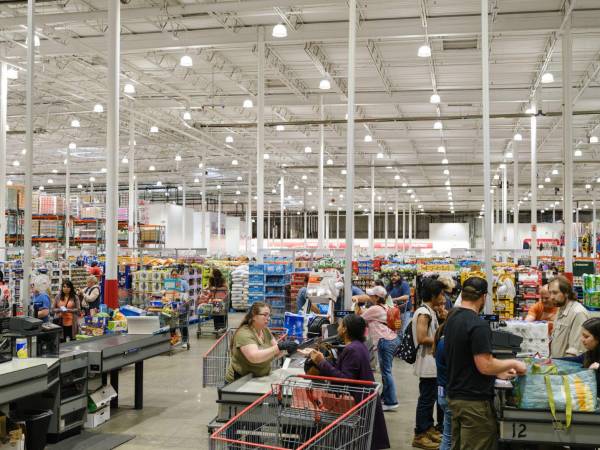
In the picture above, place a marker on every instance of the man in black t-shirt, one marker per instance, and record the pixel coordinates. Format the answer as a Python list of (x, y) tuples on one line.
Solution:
[(472, 371)]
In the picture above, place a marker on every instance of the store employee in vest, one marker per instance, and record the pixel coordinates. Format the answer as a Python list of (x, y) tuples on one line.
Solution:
[(565, 339), (472, 371)]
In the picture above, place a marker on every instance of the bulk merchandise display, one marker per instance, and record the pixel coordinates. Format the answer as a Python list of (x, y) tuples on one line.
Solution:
[(239, 288), (270, 283)]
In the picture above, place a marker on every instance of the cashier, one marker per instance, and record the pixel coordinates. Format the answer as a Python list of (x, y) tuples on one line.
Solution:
[(40, 300), (590, 340), (253, 347)]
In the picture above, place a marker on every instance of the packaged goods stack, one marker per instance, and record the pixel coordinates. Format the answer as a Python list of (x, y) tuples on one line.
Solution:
[(528, 284), (504, 296), (270, 282), (256, 283), (78, 276), (147, 284), (534, 334), (206, 272), (363, 273), (51, 205), (193, 276), (239, 288), (591, 291), (13, 272), (299, 280)]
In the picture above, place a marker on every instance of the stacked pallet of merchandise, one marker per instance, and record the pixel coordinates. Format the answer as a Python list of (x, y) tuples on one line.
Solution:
[(363, 273), (591, 292), (193, 275), (147, 283), (504, 294), (51, 205), (239, 288), (270, 282), (528, 290), (78, 276)]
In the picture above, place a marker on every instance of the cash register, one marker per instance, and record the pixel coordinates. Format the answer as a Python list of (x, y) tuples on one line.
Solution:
[(505, 345), (43, 339)]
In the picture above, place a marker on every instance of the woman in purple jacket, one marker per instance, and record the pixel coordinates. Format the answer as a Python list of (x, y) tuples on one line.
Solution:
[(354, 363)]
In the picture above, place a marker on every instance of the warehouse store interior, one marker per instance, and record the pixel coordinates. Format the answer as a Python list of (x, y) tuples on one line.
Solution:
[(309, 224)]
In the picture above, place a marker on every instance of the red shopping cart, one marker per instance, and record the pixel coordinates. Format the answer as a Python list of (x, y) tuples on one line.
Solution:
[(304, 412), (215, 360)]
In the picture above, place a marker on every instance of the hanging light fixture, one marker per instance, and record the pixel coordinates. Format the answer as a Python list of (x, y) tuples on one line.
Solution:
[(129, 88), (445, 161), (125, 160), (554, 171), (186, 61), (307, 149), (153, 129), (151, 168), (187, 115), (280, 128), (379, 155), (98, 108), (239, 178), (424, 51), (75, 123), (324, 84), (547, 78), (437, 125), (229, 139), (92, 179), (593, 139), (266, 156), (16, 163), (396, 177), (434, 99), (588, 186), (12, 73), (368, 138), (9, 182), (441, 149), (196, 180), (344, 172), (247, 103), (578, 153), (446, 172), (80, 186), (330, 162), (50, 181), (279, 31), (508, 154), (178, 158), (518, 137), (159, 183), (234, 162)]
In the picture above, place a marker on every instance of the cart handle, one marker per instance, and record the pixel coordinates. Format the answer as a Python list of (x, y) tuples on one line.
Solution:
[(337, 380)]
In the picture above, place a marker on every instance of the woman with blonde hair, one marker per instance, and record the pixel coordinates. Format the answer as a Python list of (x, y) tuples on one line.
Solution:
[(90, 296)]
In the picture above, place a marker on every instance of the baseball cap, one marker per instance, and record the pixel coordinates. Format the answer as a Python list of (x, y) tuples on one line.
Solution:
[(475, 285), (378, 291)]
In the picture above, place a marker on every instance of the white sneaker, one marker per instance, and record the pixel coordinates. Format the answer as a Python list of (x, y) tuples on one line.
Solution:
[(391, 407)]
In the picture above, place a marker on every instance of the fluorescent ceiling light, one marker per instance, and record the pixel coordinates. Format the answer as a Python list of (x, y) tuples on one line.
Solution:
[(379, 155), (125, 160), (304, 177), (237, 192), (530, 109), (547, 78), (9, 182), (496, 177), (218, 187), (330, 162), (266, 156), (307, 149), (598, 180), (41, 188), (446, 172), (404, 184), (239, 178), (129, 88), (79, 186), (396, 177), (98, 108), (12, 73), (54, 171), (434, 99), (103, 170), (508, 154), (177, 158), (554, 171), (159, 183), (578, 152), (368, 138), (186, 61), (187, 115), (234, 162), (437, 125), (540, 186), (324, 84), (424, 51), (16, 163), (588, 186), (248, 103), (75, 123), (593, 139), (153, 129), (229, 139), (296, 187), (518, 137), (444, 161), (151, 168), (344, 172), (441, 149), (196, 180), (547, 180), (279, 31), (50, 181), (92, 179), (280, 128), (200, 165)]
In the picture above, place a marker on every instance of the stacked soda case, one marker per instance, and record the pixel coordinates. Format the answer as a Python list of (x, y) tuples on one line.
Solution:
[(299, 280), (270, 283), (528, 285), (591, 291)]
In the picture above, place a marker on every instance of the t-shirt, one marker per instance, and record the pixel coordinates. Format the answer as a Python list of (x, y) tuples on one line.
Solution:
[(425, 363), (238, 363), (540, 312), (376, 318), (41, 301), (467, 335)]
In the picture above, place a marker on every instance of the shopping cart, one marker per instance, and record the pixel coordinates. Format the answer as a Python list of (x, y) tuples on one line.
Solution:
[(304, 412), (216, 359)]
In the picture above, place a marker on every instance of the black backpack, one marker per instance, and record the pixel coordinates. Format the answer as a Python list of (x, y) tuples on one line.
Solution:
[(407, 350)]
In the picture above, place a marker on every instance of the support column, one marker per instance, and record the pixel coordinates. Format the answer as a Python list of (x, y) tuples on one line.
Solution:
[(337, 228), (385, 226), (249, 214), (132, 198), (534, 249), (593, 238), (268, 225), (29, 156), (516, 243), (350, 155), (485, 86), (183, 206), (260, 148), (410, 228), (111, 287), (396, 223), (504, 208), (204, 243), (567, 100), (68, 203), (321, 219), (219, 223), (577, 252), (404, 231), (372, 213), (281, 211), (3, 107), (305, 221)]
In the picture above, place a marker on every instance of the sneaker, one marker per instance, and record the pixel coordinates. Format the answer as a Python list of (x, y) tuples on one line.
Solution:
[(390, 407), (422, 441), (434, 435)]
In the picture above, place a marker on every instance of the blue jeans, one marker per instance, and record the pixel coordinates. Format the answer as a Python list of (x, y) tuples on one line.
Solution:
[(447, 434), (385, 350)]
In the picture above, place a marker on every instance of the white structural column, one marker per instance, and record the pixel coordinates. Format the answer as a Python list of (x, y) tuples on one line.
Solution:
[(204, 243), (593, 239), (68, 203), (337, 228), (350, 155), (132, 197), (385, 226), (220, 250), (577, 228), (567, 100), (305, 227), (111, 286), (534, 250), (410, 228), (504, 208), (516, 243), (3, 106), (183, 207), (493, 202), (260, 147), (327, 231), (29, 156), (396, 223), (404, 231), (249, 213), (488, 205), (281, 211), (268, 224), (372, 213), (321, 218)]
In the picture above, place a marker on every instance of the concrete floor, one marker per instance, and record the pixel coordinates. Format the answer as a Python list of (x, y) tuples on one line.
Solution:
[(177, 409)]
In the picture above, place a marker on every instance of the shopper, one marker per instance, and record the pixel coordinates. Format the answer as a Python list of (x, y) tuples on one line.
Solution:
[(424, 326), (94, 269), (89, 297), (353, 364), (442, 380), (253, 347), (184, 285), (219, 292), (543, 310), (40, 301), (449, 286), (66, 308), (398, 290), (472, 371), (590, 339), (564, 340), (384, 339)]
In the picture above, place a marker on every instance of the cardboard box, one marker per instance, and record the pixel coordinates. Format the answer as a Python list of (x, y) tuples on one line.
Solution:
[(95, 419), (101, 398)]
